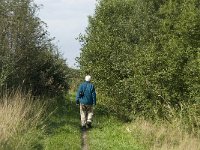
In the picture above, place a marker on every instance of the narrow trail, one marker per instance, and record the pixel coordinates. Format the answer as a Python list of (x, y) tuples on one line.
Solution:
[(84, 143)]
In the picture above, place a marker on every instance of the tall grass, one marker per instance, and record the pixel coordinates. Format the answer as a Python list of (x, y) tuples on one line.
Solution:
[(20, 121), (164, 135)]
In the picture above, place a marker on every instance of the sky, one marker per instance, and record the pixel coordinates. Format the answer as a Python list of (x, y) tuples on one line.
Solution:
[(66, 19)]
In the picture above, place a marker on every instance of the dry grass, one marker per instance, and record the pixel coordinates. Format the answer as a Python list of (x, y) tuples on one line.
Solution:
[(20, 115), (163, 136)]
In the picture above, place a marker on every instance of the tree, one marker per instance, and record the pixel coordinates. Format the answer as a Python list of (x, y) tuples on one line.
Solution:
[(30, 60), (142, 55)]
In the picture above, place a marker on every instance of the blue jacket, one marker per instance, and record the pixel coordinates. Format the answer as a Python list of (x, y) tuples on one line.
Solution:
[(89, 97)]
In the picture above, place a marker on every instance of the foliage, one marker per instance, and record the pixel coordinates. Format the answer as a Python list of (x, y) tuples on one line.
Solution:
[(75, 79), (144, 55), (29, 58)]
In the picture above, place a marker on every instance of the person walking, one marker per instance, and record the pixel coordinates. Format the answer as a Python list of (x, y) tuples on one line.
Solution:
[(86, 97)]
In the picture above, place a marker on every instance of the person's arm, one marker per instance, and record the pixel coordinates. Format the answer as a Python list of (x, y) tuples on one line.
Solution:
[(78, 95), (94, 95)]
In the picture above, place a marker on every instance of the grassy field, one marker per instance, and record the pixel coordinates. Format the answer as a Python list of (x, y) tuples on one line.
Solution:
[(163, 135), (63, 128), (23, 127), (63, 131), (25, 124), (109, 134)]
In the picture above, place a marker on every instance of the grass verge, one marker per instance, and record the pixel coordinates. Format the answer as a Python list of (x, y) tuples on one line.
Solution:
[(20, 121), (163, 135), (63, 127), (109, 133)]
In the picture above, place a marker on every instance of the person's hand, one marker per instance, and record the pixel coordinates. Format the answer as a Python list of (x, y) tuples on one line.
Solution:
[(77, 103)]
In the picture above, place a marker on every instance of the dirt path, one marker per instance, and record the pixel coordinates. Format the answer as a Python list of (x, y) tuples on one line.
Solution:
[(84, 143)]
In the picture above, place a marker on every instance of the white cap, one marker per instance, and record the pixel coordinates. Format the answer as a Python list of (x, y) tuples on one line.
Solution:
[(87, 78)]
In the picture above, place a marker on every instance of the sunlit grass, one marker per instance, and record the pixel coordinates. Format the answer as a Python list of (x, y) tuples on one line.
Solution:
[(63, 127), (108, 133), (163, 135), (22, 127)]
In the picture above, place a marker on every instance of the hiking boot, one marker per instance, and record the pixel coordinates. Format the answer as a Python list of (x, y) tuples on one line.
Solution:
[(89, 124)]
